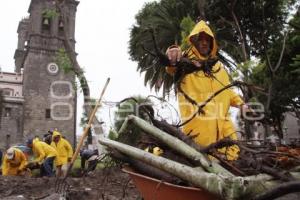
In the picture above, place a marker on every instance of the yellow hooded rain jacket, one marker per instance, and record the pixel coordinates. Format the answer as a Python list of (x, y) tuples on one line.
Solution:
[(63, 148), (215, 123), (42, 150), (16, 165)]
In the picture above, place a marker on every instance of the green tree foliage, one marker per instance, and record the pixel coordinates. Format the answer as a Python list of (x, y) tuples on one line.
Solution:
[(286, 91), (187, 24), (258, 21), (63, 60), (250, 30), (164, 18), (85, 119), (50, 13), (131, 106), (245, 31)]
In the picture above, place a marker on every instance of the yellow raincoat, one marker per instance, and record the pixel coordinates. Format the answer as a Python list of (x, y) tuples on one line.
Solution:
[(63, 148), (215, 123), (42, 150), (16, 165)]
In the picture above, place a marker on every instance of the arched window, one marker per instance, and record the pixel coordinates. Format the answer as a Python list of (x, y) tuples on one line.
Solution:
[(46, 25), (61, 25)]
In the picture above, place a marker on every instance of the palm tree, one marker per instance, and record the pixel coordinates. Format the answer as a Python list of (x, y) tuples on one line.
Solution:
[(164, 19)]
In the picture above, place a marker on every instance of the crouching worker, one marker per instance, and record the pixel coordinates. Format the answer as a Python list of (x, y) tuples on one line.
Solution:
[(64, 153), (14, 163), (91, 157), (45, 156)]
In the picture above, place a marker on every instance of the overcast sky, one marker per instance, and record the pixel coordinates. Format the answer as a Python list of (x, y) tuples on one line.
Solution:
[(102, 35)]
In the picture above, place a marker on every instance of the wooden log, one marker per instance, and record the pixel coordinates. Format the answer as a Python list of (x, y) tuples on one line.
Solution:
[(208, 181), (164, 126), (178, 146), (222, 186), (280, 190), (148, 170)]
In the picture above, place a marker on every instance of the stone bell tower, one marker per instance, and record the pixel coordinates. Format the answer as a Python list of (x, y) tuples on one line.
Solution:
[(50, 99)]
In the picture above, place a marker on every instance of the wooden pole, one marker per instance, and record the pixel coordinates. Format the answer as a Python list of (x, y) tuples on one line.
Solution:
[(86, 130)]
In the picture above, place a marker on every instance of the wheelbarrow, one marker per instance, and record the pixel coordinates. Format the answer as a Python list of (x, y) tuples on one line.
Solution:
[(154, 189)]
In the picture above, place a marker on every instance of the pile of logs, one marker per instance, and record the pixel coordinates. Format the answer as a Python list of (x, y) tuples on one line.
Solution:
[(259, 173)]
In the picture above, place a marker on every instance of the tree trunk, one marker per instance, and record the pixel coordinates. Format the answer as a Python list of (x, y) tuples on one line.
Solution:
[(283, 189), (78, 70), (177, 145), (201, 6), (211, 182), (234, 187), (145, 169)]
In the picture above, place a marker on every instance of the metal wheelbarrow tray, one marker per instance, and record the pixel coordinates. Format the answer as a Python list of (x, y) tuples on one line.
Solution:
[(154, 189)]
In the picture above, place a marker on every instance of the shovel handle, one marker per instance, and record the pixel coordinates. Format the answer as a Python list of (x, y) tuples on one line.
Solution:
[(86, 129)]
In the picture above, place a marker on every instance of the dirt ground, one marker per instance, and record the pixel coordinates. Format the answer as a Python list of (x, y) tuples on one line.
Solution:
[(107, 184)]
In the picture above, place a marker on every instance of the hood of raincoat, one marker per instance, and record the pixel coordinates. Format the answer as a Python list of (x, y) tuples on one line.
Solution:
[(35, 140), (202, 27), (63, 148), (56, 133)]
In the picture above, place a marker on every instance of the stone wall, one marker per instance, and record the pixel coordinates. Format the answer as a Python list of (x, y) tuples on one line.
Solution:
[(50, 101), (43, 90), (11, 132)]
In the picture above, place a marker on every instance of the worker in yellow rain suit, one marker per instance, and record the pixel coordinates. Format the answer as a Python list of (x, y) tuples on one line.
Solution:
[(14, 162), (214, 123), (64, 153), (45, 156)]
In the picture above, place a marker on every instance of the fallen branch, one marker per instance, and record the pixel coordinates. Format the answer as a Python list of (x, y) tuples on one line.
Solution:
[(211, 182), (202, 105), (254, 163), (145, 169), (233, 187), (176, 145), (280, 190), (172, 130)]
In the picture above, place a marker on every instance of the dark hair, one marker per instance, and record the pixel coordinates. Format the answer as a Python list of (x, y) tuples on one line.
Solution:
[(29, 141)]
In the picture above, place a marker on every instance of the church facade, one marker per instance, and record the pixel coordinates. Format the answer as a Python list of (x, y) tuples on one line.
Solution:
[(39, 96)]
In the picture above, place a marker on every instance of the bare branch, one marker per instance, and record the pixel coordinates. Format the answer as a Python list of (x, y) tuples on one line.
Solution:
[(200, 107), (280, 190), (237, 26), (76, 67), (269, 65), (201, 5), (281, 53)]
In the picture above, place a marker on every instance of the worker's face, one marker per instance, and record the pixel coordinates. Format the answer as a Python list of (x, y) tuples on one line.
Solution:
[(204, 44), (56, 138)]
